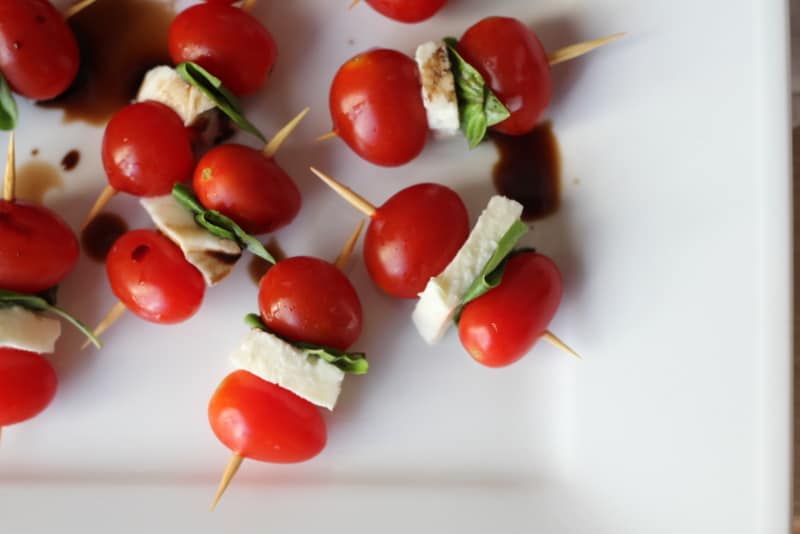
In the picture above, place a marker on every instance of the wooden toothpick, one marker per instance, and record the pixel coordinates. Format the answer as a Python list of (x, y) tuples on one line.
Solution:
[(277, 140), (349, 246), (230, 471), (105, 323), (105, 196), (355, 200), (579, 49), (326, 136), (248, 5), (353, 4), (10, 176), (77, 7), (556, 342)]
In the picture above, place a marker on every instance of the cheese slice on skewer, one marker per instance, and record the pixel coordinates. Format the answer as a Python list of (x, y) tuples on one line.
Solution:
[(23, 329), (164, 84), (438, 87), (213, 256), (279, 362), (442, 296)]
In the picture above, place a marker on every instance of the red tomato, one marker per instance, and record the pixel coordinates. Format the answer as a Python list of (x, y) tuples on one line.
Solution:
[(500, 326), (310, 300), (146, 150), (38, 52), (228, 2), (514, 63), (253, 190), (37, 249), (27, 385), (226, 41), (262, 421), (407, 10), (413, 237), (376, 107), (150, 275)]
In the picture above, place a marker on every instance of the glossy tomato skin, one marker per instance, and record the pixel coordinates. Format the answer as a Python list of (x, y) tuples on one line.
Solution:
[(37, 248), (28, 384), (500, 327), (150, 275), (226, 41), (376, 107), (310, 300), (253, 190), (407, 10), (413, 236), (514, 63), (38, 52), (146, 150), (259, 420)]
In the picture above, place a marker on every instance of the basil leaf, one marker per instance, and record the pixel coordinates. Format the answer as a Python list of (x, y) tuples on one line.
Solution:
[(8, 106), (219, 94), (218, 224), (37, 303), (492, 273), (350, 362), (478, 107)]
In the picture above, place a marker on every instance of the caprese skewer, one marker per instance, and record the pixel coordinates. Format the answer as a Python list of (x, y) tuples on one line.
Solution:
[(293, 360), (383, 103), (455, 271)]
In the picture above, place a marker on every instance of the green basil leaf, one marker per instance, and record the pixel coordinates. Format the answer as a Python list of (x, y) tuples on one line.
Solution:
[(479, 108), (219, 94), (8, 106), (218, 224), (350, 362), (37, 303), (492, 273)]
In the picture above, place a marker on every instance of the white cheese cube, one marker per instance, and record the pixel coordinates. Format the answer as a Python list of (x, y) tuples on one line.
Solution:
[(164, 84), (213, 256), (274, 360), (438, 87), (26, 330), (442, 295)]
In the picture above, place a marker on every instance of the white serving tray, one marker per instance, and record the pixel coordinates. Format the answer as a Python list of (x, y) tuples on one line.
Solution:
[(674, 240)]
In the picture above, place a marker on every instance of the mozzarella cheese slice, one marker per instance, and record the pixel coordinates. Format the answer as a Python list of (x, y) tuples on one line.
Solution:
[(213, 256), (274, 360), (442, 295), (164, 84), (26, 330), (438, 87)]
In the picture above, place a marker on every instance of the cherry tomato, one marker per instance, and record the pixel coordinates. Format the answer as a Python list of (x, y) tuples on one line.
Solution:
[(38, 52), (150, 275), (262, 421), (407, 10), (27, 385), (228, 2), (37, 248), (514, 63), (146, 150), (253, 190), (501, 325), (226, 41), (376, 107), (413, 237), (310, 300)]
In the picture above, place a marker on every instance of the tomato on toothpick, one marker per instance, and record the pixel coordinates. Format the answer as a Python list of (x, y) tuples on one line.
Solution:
[(151, 277), (28, 384), (502, 325), (376, 107), (226, 41), (408, 11), (412, 236), (38, 51)]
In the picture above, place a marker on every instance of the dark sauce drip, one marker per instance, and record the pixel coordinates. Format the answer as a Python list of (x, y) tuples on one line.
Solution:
[(70, 160), (101, 233), (259, 266), (529, 170), (34, 152), (35, 179), (119, 40)]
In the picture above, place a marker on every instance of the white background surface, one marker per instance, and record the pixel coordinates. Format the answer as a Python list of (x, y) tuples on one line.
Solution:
[(673, 239)]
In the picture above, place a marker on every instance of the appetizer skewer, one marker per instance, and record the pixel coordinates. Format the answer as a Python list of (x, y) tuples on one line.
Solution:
[(455, 284)]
